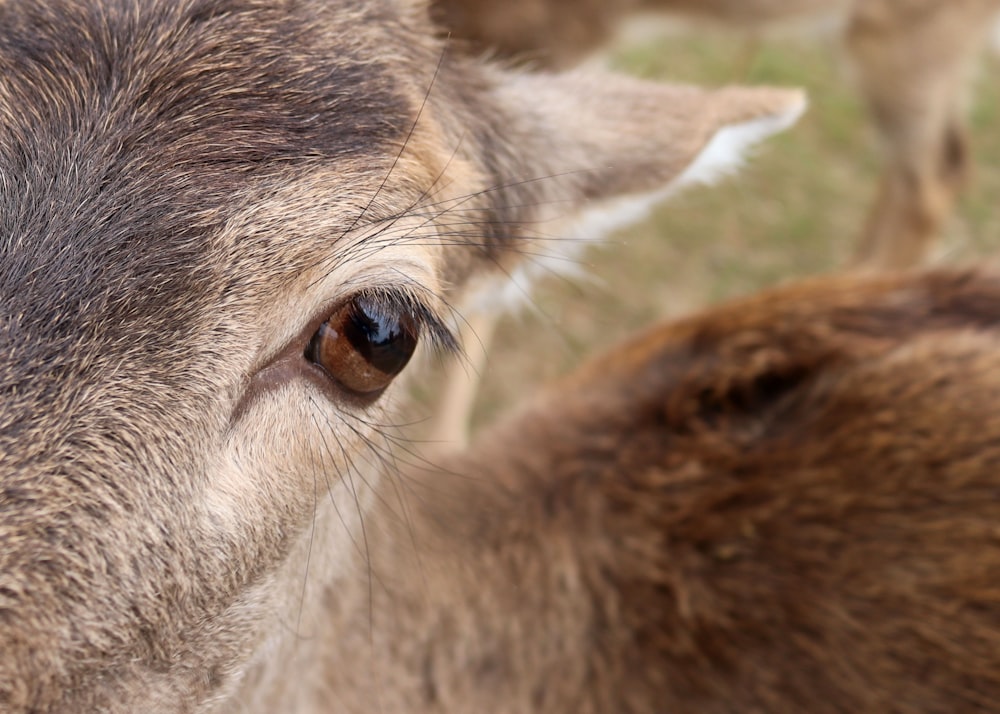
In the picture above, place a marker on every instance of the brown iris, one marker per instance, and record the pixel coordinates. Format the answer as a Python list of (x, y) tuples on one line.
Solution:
[(364, 344)]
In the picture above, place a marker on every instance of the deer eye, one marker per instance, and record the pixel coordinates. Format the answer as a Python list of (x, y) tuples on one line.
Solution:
[(364, 344)]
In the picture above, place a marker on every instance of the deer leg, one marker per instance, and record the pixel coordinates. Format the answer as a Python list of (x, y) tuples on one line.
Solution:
[(914, 200), (450, 425), (911, 68)]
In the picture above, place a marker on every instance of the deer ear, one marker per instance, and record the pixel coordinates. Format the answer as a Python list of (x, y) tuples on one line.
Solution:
[(603, 143), (573, 156)]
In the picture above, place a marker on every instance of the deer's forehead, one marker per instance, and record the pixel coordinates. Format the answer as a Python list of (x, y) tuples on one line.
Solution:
[(129, 130), (215, 81)]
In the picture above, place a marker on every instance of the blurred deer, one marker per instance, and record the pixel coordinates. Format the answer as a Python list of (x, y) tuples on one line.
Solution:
[(911, 59), (225, 227)]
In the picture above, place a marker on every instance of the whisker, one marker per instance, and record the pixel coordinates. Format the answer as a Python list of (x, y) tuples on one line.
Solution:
[(456, 202), (329, 486), (406, 211), (406, 142), (309, 548)]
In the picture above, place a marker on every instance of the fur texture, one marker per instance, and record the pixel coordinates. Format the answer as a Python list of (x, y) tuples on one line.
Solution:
[(786, 504)]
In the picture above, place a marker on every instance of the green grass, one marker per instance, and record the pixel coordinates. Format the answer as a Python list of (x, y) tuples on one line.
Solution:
[(795, 210)]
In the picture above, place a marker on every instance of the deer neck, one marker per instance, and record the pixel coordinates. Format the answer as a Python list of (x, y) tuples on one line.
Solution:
[(300, 604)]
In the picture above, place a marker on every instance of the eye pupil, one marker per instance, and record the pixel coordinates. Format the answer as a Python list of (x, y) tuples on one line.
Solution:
[(379, 337), (364, 344)]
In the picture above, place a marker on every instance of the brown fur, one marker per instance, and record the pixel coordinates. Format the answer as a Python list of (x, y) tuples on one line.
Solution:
[(787, 504), (188, 189), (911, 57)]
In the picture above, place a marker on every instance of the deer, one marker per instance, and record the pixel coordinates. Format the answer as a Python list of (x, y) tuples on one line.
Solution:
[(910, 60), (226, 227)]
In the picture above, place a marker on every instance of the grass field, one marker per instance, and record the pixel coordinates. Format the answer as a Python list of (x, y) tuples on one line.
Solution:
[(795, 210)]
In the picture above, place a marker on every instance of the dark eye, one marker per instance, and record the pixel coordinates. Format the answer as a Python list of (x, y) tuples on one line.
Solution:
[(364, 344)]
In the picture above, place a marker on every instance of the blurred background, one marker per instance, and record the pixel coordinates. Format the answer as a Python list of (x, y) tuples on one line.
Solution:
[(796, 209)]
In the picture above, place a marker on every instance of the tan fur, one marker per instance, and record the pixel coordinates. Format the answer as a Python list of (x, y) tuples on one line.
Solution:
[(188, 190), (911, 57)]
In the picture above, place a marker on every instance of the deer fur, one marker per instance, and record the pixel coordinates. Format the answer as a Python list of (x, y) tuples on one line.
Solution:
[(911, 59), (786, 504), (188, 190)]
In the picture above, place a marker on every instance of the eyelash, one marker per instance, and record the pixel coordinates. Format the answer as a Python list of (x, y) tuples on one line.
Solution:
[(408, 300)]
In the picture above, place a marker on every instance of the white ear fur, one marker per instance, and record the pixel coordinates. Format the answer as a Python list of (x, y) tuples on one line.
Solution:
[(723, 154), (727, 150)]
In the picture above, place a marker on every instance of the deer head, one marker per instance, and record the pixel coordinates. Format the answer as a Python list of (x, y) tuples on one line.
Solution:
[(225, 226)]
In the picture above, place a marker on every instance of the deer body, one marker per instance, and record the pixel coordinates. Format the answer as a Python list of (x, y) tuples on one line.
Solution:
[(786, 504), (911, 59)]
